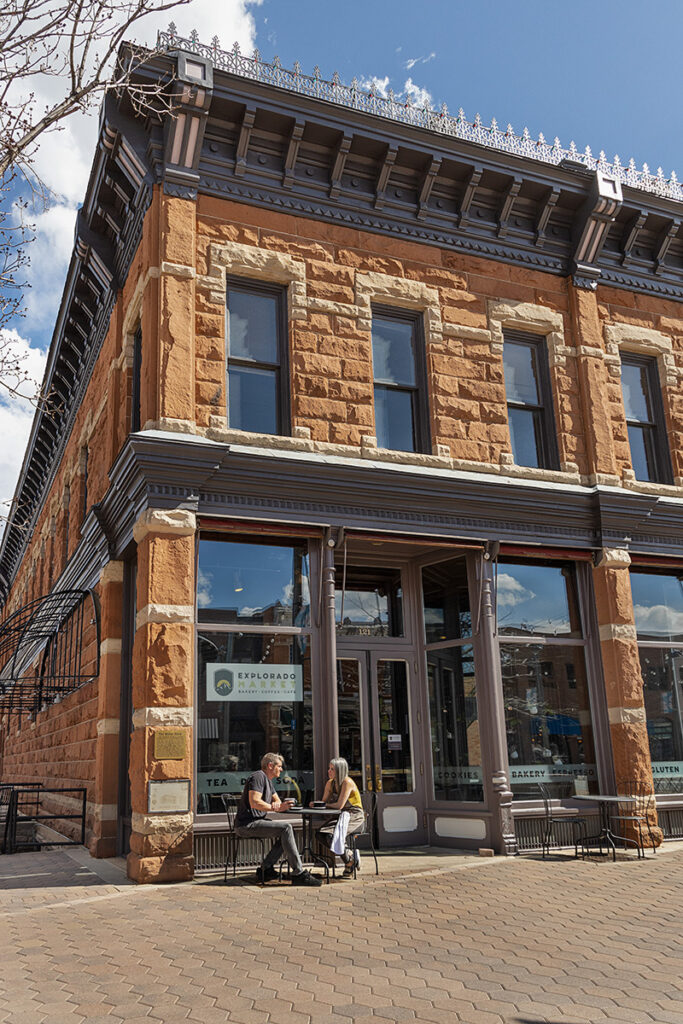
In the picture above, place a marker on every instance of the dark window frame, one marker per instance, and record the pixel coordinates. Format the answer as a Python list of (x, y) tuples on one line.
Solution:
[(422, 433), (136, 383), (279, 292), (656, 428), (544, 414)]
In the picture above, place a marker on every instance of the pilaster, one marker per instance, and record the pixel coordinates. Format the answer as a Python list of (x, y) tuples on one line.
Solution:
[(621, 666), (110, 592), (163, 687), (593, 386)]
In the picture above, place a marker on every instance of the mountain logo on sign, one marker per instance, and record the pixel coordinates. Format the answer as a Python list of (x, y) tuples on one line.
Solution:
[(224, 683)]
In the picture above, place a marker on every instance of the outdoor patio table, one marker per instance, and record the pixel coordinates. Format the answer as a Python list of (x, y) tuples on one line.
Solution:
[(309, 816), (606, 834)]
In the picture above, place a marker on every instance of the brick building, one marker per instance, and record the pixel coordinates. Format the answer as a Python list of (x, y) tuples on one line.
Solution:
[(367, 435)]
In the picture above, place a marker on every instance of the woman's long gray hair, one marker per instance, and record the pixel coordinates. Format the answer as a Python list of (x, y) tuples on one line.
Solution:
[(341, 770)]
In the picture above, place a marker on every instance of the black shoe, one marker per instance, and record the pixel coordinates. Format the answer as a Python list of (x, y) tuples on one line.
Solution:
[(306, 878), (264, 875)]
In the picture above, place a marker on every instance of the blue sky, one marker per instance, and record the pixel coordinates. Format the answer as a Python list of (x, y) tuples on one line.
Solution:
[(601, 72)]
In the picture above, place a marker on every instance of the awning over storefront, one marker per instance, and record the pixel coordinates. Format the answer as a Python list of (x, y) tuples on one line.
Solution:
[(48, 648)]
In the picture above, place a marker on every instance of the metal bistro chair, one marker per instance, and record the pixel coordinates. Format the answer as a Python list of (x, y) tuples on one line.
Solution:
[(637, 814), (369, 801), (233, 840), (578, 824)]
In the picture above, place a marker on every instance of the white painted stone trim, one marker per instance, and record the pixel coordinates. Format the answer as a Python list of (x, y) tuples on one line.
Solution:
[(164, 613), (403, 293), (179, 522), (618, 631), (105, 812), (627, 716), (643, 341), (108, 727), (149, 718), (112, 573), (527, 316), (181, 270), (158, 824), (110, 646), (614, 558), (252, 261)]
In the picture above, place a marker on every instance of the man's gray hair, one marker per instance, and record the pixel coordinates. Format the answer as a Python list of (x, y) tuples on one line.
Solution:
[(271, 759), (341, 770)]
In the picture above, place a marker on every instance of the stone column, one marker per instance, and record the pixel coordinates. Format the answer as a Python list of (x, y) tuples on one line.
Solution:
[(329, 714), (174, 323), (621, 666), (162, 691), (594, 386), (110, 592), (492, 715)]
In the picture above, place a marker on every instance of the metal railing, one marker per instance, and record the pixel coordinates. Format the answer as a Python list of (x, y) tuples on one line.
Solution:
[(27, 809), (372, 98)]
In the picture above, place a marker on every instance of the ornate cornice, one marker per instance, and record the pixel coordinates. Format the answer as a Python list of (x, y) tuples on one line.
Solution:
[(439, 122)]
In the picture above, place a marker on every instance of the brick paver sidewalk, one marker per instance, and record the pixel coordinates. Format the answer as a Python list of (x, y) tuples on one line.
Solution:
[(517, 941)]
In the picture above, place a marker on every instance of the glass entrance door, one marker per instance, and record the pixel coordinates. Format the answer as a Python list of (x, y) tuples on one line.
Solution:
[(379, 739)]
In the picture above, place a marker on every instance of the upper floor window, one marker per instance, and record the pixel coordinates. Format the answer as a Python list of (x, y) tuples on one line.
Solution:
[(529, 402), (258, 391), (398, 359), (644, 419), (136, 381)]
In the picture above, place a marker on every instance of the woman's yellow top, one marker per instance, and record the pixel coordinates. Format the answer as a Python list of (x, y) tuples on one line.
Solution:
[(354, 799)]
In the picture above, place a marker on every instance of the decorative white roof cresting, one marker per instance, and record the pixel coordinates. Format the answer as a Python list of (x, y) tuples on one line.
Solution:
[(459, 127)]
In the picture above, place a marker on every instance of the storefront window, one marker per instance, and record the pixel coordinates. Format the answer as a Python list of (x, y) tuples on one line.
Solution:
[(368, 602), (253, 584), (545, 688), (446, 601), (453, 713), (658, 609), (454, 720), (254, 695), (253, 684), (537, 600)]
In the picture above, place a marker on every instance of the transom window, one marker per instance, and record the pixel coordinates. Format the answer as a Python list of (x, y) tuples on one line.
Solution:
[(644, 419), (398, 359), (258, 392), (529, 402)]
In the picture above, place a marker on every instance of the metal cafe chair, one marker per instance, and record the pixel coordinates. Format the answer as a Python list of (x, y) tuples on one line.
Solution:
[(637, 814), (233, 840), (578, 825), (369, 802)]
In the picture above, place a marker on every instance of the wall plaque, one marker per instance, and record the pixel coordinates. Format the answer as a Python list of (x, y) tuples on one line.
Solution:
[(168, 797), (170, 745)]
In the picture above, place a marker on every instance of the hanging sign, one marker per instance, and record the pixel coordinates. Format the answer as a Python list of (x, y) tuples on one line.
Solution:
[(277, 683)]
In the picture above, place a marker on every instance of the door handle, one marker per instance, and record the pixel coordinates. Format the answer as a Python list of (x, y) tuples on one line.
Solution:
[(368, 778), (378, 783)]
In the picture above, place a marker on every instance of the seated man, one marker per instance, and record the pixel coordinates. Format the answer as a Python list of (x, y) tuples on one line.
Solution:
[(258, 798)]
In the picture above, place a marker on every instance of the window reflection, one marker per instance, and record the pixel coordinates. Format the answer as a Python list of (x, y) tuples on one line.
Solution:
[(454, 720), (393, 708), (657, 606), (537, 599), (349, 716), (255, 584), (446, 601), (547, 717), (371, 603)]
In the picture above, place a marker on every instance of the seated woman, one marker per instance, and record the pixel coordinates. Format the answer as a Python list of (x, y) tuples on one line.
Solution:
[(342, 794)]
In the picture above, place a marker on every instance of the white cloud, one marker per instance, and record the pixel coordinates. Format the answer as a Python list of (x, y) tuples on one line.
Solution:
[(419, 97), (380, 86), (511, 592), (204, 588), (64, 157), (412, 61), (658, 619), (16, 417)]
